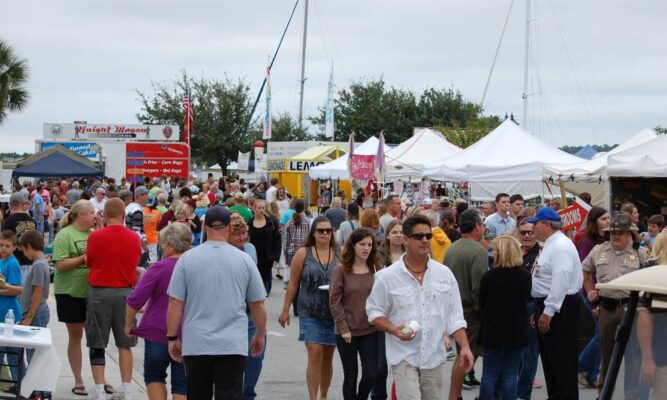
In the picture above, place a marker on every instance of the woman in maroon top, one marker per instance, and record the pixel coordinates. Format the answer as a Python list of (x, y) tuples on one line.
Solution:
[(351, 284)]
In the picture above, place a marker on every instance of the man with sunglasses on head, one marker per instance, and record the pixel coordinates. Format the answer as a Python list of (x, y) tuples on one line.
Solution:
[(468, 260), (416, 301)]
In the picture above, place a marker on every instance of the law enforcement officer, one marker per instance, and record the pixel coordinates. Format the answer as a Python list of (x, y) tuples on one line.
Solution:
[(608, 261)]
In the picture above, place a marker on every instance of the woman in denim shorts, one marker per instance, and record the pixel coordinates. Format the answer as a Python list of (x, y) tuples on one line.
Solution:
[(175, 239)]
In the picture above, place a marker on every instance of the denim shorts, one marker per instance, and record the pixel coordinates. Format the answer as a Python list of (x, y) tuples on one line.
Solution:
[(318, 331), (156, 361)]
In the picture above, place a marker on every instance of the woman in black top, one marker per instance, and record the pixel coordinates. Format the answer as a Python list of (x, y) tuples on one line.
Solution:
[(264, 233), (503, 294)]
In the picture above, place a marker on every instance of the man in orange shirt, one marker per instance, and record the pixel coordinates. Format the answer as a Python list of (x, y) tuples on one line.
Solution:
[(112, 254)]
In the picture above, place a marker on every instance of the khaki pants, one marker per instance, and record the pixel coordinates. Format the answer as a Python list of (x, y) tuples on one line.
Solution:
[(659, 389), (418, 384)]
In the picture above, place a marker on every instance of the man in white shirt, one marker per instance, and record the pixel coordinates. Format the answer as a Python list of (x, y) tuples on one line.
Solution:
[(271, 191), (100, 199), (416, 301), (557, 280)]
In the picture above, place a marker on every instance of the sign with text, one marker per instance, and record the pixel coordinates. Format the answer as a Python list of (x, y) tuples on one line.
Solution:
[(127, 132), (363, 167), (575, 215), (302, 166), (85, 149), (157, 159)]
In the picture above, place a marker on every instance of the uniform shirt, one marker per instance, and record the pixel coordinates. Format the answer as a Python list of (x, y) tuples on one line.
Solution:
[(435, 305), (608, 264), (498, 225), (557, 272)]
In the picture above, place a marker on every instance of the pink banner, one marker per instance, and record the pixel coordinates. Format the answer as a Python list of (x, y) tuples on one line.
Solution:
[(362, 167)]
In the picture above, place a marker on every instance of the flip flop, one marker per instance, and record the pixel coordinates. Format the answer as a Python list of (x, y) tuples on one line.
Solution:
[(109, 389), (80, 390)]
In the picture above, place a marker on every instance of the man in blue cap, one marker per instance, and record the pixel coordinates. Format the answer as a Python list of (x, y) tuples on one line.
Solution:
[(557, 280)]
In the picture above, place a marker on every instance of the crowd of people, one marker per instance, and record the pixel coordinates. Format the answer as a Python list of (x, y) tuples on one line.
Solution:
[(392, 287)]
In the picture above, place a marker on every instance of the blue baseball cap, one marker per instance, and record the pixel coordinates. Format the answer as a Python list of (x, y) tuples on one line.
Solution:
[(545, 214)]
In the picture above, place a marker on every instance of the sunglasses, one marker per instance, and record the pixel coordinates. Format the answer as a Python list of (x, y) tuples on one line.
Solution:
[(324, 231), (421, 236), (526, 232)]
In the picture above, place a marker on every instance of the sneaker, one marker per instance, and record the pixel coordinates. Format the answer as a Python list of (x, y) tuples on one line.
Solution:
[(537, 384), (466, 386), (93, 395), (451, 354), (470, 380), (583, 382), (120, 395)]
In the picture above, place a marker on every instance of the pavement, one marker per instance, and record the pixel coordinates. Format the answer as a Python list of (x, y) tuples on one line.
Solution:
[(283, 374)]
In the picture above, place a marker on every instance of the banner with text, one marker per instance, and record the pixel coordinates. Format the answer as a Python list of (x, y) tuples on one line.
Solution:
[(363, 167), (157, 159), (85, 149), (575, 215), (114, 132)]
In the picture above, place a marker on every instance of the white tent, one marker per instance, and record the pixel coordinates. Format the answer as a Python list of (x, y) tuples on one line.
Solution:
[(646, 160), (508, 159), (337, 169), (408, 158), (596, 168)]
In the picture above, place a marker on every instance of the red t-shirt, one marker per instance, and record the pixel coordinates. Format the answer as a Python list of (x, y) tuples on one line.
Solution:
[(113, 254)]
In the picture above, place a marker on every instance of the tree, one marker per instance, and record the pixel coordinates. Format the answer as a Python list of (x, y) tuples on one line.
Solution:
[(660, 130), (221, 110), (475, 129), (13, 77), (284, 128)]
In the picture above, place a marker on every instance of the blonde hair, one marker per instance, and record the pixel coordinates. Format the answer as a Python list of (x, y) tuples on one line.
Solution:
[(369, 219), (181, 210), (660, 248), (73, 214), (508, 252)]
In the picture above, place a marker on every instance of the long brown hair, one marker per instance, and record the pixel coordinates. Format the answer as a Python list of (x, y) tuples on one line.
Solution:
[(299, 207), (347, 258), (310, 242), (387, 244)]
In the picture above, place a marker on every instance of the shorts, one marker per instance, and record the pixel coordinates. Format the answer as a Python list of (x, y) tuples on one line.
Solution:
[(156, 361), (473, 330), (106, 313), (318, 331), (70, 310)]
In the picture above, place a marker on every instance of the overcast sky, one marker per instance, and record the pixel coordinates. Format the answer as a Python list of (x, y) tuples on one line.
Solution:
[(597, 66)]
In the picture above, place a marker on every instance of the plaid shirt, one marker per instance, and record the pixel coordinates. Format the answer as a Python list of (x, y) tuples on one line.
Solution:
[(295, 237)]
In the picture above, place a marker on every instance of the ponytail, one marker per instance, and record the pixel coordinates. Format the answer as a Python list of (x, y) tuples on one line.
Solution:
[(299, 207), (66, 220)]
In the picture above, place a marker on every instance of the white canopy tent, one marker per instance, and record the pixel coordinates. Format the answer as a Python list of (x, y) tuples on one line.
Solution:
[(337, 169), (408, 158), (508, 159), (646, 160)]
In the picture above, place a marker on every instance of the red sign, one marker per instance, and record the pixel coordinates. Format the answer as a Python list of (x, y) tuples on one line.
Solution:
[(575, 215), (157, 159), (363, 167)]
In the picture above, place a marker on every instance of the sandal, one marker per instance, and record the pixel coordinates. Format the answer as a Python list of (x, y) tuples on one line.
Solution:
[(109, 389), (80, 390)]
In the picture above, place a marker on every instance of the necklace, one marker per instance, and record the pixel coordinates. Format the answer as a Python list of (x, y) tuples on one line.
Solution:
[(417, 274), (317, 254)]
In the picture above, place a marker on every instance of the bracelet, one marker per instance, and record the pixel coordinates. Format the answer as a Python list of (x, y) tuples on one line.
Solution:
[(30, 316)]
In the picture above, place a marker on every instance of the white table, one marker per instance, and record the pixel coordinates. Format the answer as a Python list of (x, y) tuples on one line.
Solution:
[(44, 369)]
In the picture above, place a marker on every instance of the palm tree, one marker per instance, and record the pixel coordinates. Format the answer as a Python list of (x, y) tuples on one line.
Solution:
[(13, 76)]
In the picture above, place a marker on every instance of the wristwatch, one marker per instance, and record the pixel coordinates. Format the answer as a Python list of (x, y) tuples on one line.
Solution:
[(172, 338)]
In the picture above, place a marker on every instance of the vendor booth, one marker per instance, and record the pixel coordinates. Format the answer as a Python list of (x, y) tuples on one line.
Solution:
[(508, 159), (293, 173), (407, 160), (56, 161)]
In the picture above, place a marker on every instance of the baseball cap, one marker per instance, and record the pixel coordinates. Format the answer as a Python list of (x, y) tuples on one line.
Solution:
[(545, 214), (16, 198), (217, 217), (140, 190), (428, 201)]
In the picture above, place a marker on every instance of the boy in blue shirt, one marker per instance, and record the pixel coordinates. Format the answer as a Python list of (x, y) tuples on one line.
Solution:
[(655, 225), (10, 290)]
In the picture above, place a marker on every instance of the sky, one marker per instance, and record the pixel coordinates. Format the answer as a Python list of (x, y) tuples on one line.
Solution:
[(596, 67)]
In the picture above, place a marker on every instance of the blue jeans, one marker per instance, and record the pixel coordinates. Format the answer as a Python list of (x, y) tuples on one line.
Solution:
[(589, 358), (500, 363), (253, 365), (156, 362), (529, 359)]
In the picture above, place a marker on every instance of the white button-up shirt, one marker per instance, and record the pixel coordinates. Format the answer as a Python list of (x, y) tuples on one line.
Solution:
[(557, 272), (435, 305)]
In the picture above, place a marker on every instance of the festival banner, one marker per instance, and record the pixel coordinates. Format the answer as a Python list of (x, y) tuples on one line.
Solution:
[(157, 159), (575, 215), (267, 112), (362, 167), (111, 132), (329, 109)]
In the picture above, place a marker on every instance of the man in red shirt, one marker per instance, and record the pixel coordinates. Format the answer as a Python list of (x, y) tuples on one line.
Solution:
[(112, 254)]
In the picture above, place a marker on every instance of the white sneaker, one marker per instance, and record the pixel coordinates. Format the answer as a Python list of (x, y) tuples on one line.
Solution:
[(121, 396), (93, 395)]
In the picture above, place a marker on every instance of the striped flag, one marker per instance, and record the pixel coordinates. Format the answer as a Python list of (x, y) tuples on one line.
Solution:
[(350, 153), (329, 109), (379, 160), (189, 118), (267, 112)]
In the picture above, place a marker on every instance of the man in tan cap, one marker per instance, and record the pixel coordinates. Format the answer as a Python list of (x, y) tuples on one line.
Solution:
[(607, 261)]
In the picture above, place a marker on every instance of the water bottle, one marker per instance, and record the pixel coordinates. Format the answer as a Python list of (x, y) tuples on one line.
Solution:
[(9, 323)]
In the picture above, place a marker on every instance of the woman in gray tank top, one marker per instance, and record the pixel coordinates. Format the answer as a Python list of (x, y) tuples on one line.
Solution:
[(311, 270)]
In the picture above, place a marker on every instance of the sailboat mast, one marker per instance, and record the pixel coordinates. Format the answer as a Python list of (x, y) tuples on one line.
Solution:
[(303, 61), (525, 68)]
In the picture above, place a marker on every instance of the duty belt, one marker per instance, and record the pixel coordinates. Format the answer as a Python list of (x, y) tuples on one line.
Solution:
[(610, 303)]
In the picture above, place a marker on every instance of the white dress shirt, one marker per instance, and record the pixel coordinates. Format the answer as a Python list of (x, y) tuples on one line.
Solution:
[(99, 205), (435, 305), (557, 272)]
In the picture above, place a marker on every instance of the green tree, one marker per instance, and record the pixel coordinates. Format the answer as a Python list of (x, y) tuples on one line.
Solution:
[(475, 129), (221, 111), (13, 77), (660, 130), (284, 128)]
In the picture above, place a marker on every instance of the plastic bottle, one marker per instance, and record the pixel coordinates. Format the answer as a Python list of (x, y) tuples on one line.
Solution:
[(9, 323)]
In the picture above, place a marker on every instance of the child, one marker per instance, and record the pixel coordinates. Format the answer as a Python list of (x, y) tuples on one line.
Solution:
[(36, 288), (655, 225), (10, 290)]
